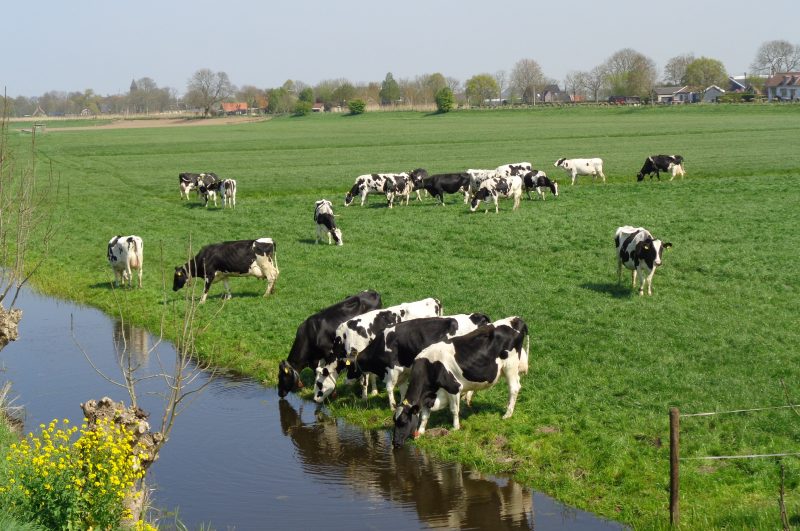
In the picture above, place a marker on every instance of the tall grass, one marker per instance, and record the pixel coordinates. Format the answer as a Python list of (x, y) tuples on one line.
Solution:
[(590, 426)]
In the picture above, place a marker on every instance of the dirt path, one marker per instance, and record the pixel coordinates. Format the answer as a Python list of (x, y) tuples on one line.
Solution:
[(163, 122)]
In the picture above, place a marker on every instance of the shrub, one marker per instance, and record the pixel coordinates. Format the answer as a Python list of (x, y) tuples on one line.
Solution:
[(302, 108), (445, 101), (62, 485), (357, 106)]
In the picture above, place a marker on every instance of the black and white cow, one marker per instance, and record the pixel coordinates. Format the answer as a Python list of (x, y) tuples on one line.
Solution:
[(209, 186), (444, 371), (658, 163), (389, 356), (476, 177), (575, 167), (383, 183), (515, 168), (495, 188), (228, 191), (353, 336), (439, 184), (313, 340), (248, 258), (125, 253), (638, 251), (326, 222), (187, 182), (538, 180), (398, 185)]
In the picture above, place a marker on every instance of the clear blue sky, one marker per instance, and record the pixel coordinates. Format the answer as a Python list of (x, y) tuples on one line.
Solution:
[(103, 44)]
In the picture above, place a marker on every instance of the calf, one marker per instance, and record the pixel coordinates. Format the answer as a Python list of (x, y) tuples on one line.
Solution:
[(248, 258), (575, 167), (439, 184), (228, 190), (538, 180), (125, 253), (639, 252), (353, 336), (495, 188), (187, 182), (464, 364), (389, 356), (313, 340), (208, 184), (658, 163), (326, 222)]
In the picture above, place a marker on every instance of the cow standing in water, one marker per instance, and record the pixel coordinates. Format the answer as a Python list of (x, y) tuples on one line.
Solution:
[(243, 258)]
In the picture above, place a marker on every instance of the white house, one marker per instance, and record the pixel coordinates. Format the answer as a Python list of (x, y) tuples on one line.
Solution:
[(783, 86)]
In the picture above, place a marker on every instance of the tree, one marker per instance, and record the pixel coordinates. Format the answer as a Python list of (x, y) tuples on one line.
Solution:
[(704, 72), (343, 93), (675, 69), (206, 89), (481, 88), (390, 90), (500, 77), (357, 106), (629, 73), (280, 101), (575, 84), (527, 79), (302, 108), (776, 56), (595, 79), (307, 94), (445, 100)]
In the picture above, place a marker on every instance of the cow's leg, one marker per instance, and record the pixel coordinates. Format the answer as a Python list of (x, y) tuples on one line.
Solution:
[(318, 233), (455, 405), (633, 277), (574, 176), (603, 175), (127, 276), (372, 380), (424, 415), (271, 272), (364, 381), (227, 288), (650, 281), (513, 390), (390, 381), (206, 287), (517, 200), (468, 397)]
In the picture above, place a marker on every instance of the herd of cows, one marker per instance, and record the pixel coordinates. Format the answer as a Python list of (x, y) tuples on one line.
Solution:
[(434, 359)]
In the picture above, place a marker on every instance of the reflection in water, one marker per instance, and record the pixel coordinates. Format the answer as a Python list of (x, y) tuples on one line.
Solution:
[(443, 494), (131, 343)]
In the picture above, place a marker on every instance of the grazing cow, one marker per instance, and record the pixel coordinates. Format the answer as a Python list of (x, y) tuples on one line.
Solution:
[(243, 258), (536, 179), (389, 356), (353, 336), (476, 177), (496, 187), (228, 190), (126, 253), (313, 341), (658, 163), (383, 183), (639, 252), (209, 185), (326, 223), (464, 364), (439, 184), (187, 182), (575, 167)]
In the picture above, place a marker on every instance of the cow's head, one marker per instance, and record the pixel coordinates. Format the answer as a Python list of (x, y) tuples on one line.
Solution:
[(559, 162), (288, 379), (639, 177), (325, 383), (337, 236), (650, 251), (417, 177), (481, 195), (406, 423), (180, 278)]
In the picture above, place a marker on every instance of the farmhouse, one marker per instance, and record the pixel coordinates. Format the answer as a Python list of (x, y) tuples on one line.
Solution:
[(783, 86), (234, 108)]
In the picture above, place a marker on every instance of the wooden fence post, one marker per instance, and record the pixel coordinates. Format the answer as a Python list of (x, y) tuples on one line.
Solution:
[(674, 453)]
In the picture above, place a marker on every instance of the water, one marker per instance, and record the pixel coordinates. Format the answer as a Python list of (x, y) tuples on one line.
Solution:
[(240, 458)]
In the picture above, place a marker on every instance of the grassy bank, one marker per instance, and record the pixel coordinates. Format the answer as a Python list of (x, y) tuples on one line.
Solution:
[(590, 426)]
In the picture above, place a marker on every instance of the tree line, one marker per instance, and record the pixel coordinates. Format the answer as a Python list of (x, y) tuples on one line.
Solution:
[(627, 72)]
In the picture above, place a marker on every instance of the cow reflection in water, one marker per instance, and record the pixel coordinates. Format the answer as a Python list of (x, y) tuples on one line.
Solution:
[(131, 344), (443, 494)]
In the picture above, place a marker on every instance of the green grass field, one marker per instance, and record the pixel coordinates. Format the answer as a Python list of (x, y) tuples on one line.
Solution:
[(591, 424)]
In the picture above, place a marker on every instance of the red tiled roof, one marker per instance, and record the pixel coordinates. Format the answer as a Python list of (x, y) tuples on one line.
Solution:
[(784, 79), (233, 107)]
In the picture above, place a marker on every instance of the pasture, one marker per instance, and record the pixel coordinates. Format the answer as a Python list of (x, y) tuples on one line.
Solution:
[(590, 428)]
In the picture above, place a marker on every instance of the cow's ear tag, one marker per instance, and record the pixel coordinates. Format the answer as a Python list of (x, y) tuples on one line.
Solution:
[(179, 273), (405, 402), (286, 370), (646, 247), (347, 363)]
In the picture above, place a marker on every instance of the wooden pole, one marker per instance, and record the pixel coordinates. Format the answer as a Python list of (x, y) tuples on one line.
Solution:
[(674, 453)]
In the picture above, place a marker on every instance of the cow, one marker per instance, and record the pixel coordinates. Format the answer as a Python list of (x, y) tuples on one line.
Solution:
[(444, 371), (187, 182), (417, 176), (209, 185), (496, 187), (383, 183), (439, 184), (389, 356), (126, 253), (326, 222), (516, 168), (575, 167), (353, 336), (398, 185), (638, 251), (313, 340), (247, 258), (658, 163), (228, 191), (538, 180), (476, 177)]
